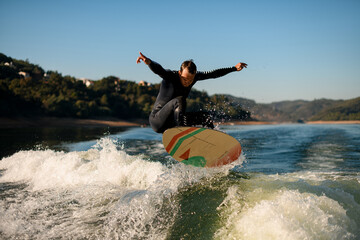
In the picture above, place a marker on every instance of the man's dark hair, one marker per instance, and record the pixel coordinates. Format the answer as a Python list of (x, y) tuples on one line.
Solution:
[(190, 65)]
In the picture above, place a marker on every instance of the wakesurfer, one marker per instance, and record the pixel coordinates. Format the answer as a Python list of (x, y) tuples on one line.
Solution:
[(170, 105)]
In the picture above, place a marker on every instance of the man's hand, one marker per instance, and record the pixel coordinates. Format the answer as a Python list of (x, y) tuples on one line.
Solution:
[(146, 60), (240, 66)]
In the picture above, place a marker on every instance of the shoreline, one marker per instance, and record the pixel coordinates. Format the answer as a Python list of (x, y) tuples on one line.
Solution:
[(334, 122), (73, 122), (248, 123), (275, 123), (65, 122)]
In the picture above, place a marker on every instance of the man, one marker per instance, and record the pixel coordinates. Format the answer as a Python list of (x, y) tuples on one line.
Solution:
[(170, 104)]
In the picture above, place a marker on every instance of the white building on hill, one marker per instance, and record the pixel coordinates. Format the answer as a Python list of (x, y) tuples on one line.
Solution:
[(87, 82)]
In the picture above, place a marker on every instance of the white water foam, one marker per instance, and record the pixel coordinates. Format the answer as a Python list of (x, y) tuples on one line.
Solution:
[(100, 165), (268, 208), (99, 193)]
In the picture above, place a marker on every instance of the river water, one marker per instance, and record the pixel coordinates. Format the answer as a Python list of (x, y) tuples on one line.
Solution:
[(291, 182)]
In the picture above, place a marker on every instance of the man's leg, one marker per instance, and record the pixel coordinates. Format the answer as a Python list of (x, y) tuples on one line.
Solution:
[(179, 109), (170, 115)]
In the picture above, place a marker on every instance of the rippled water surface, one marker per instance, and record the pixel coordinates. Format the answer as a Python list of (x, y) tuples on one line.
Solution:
[(291, 182)]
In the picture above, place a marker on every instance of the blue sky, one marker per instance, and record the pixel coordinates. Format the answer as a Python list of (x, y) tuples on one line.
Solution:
[(294, 49)]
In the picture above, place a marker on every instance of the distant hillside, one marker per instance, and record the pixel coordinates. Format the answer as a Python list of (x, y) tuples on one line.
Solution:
[(345, 110), (301, 110)]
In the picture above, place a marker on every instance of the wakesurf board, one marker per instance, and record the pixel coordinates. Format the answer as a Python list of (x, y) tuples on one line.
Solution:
[(201, 147)]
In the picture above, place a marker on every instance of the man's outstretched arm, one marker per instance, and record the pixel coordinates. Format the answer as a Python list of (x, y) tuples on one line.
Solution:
[(220, 72), (154, 66)]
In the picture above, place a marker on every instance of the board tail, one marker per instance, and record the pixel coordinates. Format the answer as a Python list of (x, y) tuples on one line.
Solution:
[(232, 154)]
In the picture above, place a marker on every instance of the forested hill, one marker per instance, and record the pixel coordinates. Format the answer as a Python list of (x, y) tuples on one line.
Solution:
[(344, 110), (27, 90), (301, 110)]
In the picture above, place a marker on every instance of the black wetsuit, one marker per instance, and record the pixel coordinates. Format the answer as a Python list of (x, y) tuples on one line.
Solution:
[(170, 104)]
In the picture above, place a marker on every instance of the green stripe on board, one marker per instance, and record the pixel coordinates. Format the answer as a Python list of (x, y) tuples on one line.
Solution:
[(181, 140)]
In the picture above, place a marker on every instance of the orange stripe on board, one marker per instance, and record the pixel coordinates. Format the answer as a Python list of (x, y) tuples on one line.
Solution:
[(177, 136)]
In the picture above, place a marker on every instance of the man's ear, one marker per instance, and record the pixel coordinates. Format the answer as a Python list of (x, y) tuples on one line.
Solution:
[(179, 73)]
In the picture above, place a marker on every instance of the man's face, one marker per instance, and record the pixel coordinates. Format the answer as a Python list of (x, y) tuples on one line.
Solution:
[(186, 78)]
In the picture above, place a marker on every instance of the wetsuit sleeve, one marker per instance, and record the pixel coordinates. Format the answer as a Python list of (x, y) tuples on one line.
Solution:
[(214, 74), (159, 70)]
